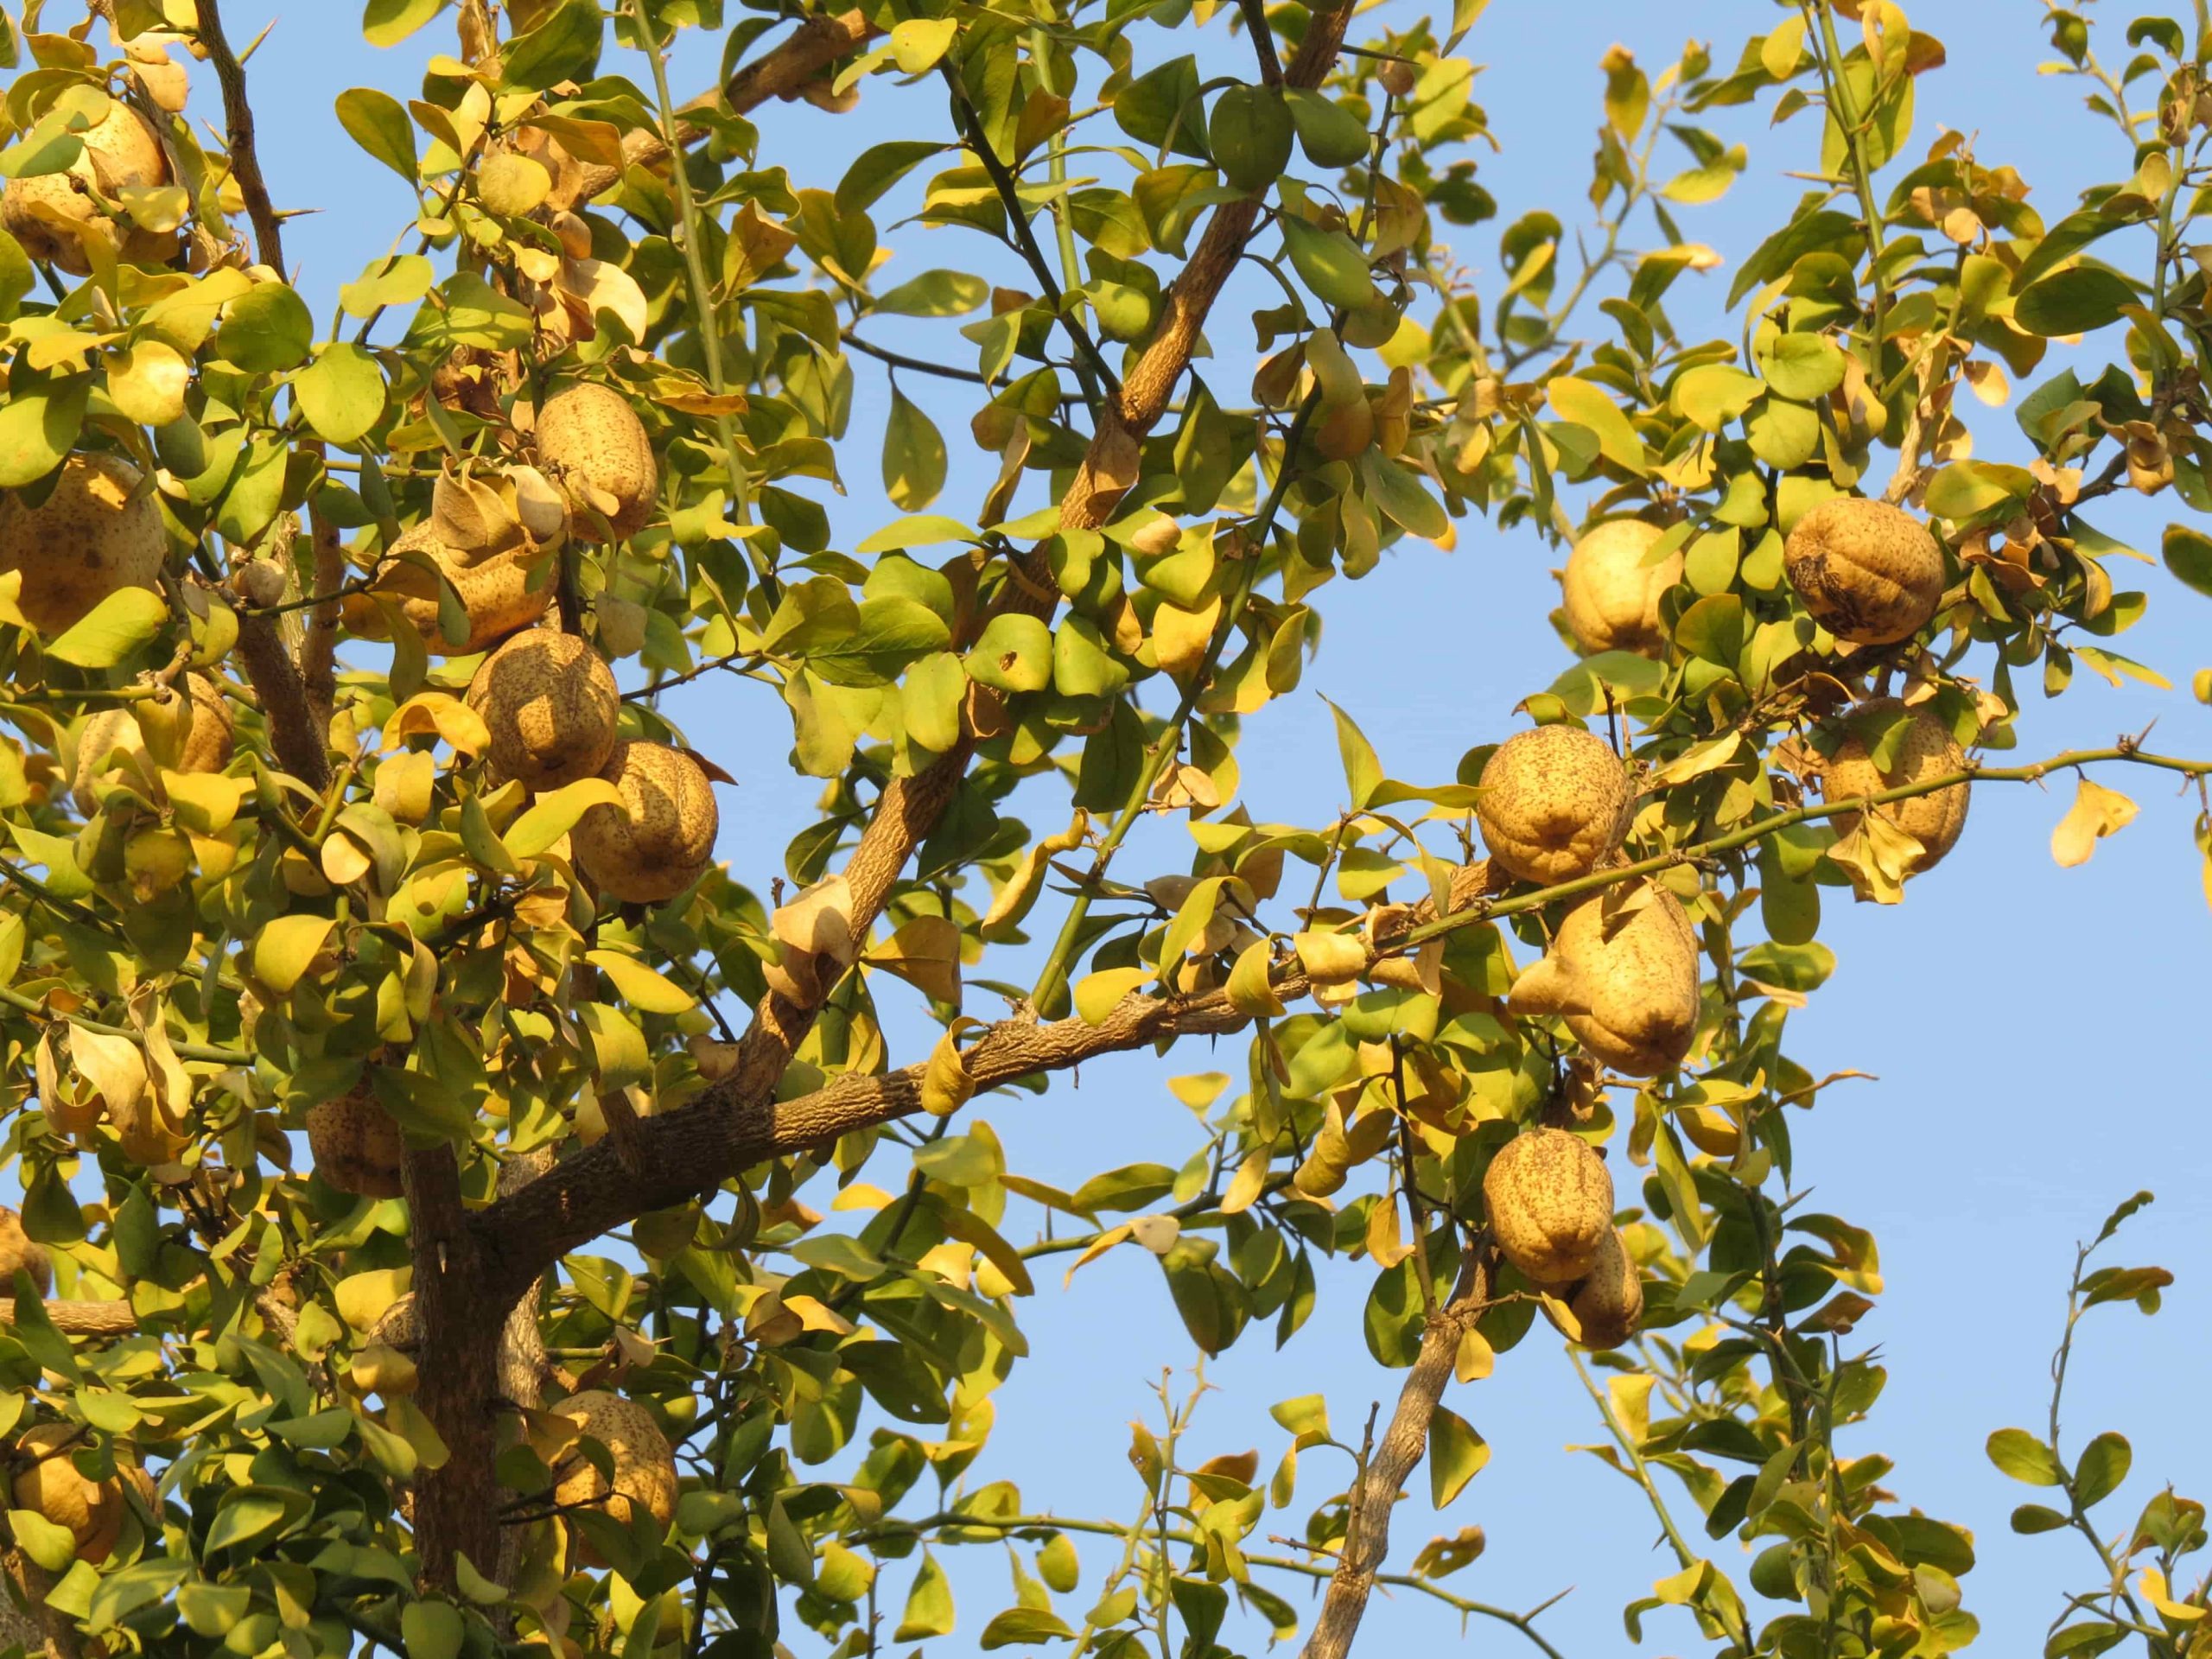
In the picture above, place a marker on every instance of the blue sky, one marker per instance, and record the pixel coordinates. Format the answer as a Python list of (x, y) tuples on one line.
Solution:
[(2040, 1036)]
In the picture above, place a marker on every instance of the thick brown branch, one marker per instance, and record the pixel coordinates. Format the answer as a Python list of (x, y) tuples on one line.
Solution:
[(784, 72), (736, 1122), (1367, 1539), (245, 160), (458, 1367), (301, 749), (591, 1193), (80, 1318)]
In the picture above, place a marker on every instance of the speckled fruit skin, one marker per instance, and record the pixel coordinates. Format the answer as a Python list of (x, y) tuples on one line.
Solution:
[(1868, 572), (1554, 802), (89, 538), (1612, 596), (645, 1469), (590, 435), (1927, 750), (1608, 1302), (1626, 983), (208, 743), (121, 151), (356, 1145), (92, 1509), (496, 592), (1550, 1202), (658, 842), (19, 1254), (550, 704)]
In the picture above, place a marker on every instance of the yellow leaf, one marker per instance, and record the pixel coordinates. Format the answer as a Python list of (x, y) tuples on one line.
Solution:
[(926, 953), (461, 726), (1248, 990), (1249, 1181), (1331, 958), (640, 986), (553, 814), (1098, 1247), (862, 1195), (363, 1298), (1012, 901), (205, 802), (946, 1085), (2154, 1588), (2096, 812), (1475, 1357), (1097, 994), (819, 920), (286, 947)]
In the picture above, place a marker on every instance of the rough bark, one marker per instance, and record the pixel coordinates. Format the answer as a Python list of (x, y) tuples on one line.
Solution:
[(1367, 1536), (300, 749), (457, 1372), (80, 1318)]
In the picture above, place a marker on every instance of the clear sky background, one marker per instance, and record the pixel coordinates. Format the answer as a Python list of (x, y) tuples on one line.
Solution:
[(2040, 1036)]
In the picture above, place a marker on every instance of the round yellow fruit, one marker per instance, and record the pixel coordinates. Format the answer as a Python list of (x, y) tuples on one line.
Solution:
[(595, 443), (1608, 1302), (1622, 970), (356, 1145), (550, 704), (1554, 802), (1550, 1202), (1611, 595), (205, 742), (51, 214), (502, 593), (1867, 571), (90, 537), (658, 842), (21, 1254), (644, 1468), (48, 1481), (1927, 750)]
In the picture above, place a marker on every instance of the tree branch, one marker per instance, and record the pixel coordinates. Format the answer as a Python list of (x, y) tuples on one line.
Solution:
[(245, 160), (816, 44), (1367, 1538), (80, 1318)]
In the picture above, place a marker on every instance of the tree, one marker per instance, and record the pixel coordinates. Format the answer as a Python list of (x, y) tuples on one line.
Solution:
[(443, 1268)]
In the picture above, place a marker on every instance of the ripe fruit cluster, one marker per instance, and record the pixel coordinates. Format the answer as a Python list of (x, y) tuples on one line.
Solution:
[(1550, 1203)]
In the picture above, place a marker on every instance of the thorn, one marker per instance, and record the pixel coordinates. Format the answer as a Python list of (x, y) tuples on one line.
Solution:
[(255, 44)]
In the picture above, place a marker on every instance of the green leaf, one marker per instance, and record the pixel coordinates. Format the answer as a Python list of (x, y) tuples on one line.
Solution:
[(880, 167), (1589, 406), (1083, 664), (929, 1605), (1331, 135), (266, 330), (341, 393), (1363, 767), (914, 455), (840, 1253), (387, 23), (922, 530), (377, 123), (1397, 490), (51, 1546), (1013, 654), (1966, 489), (40, 419), (1329, 263), (2019, 1454), (432, 1630), (2188, 556), (119, 625), (248, 1512), (1803, 367), (565, 47), (640, 986), (936, 293), (2103, 1466), (1714, 394), (1456, 1456), (2035, 1518), (1024, 1627), (2073, 302)]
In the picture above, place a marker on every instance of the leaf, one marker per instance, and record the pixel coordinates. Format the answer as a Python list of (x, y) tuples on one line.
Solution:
[(1097, 994), (51, 1546), (553, 814), (286, 946), (564, 46), (1588, 405), (39, 423), (640, 986), (1397, 490), (2096, 812), (126, 620), (1363, 768), (2101, 1467), (1714, 394), (379, 124), (2073, 302), (432, 1630), (913, 455), (2019, 1454), (1015, 654), (925, 530), (387, 23), (2188, 556), (1329, 264), (918, 43), (266, 330), (2031, 1518), (341, 393), (929, 1605), (1024, 1627), (935, 293), (1456, 1456)]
